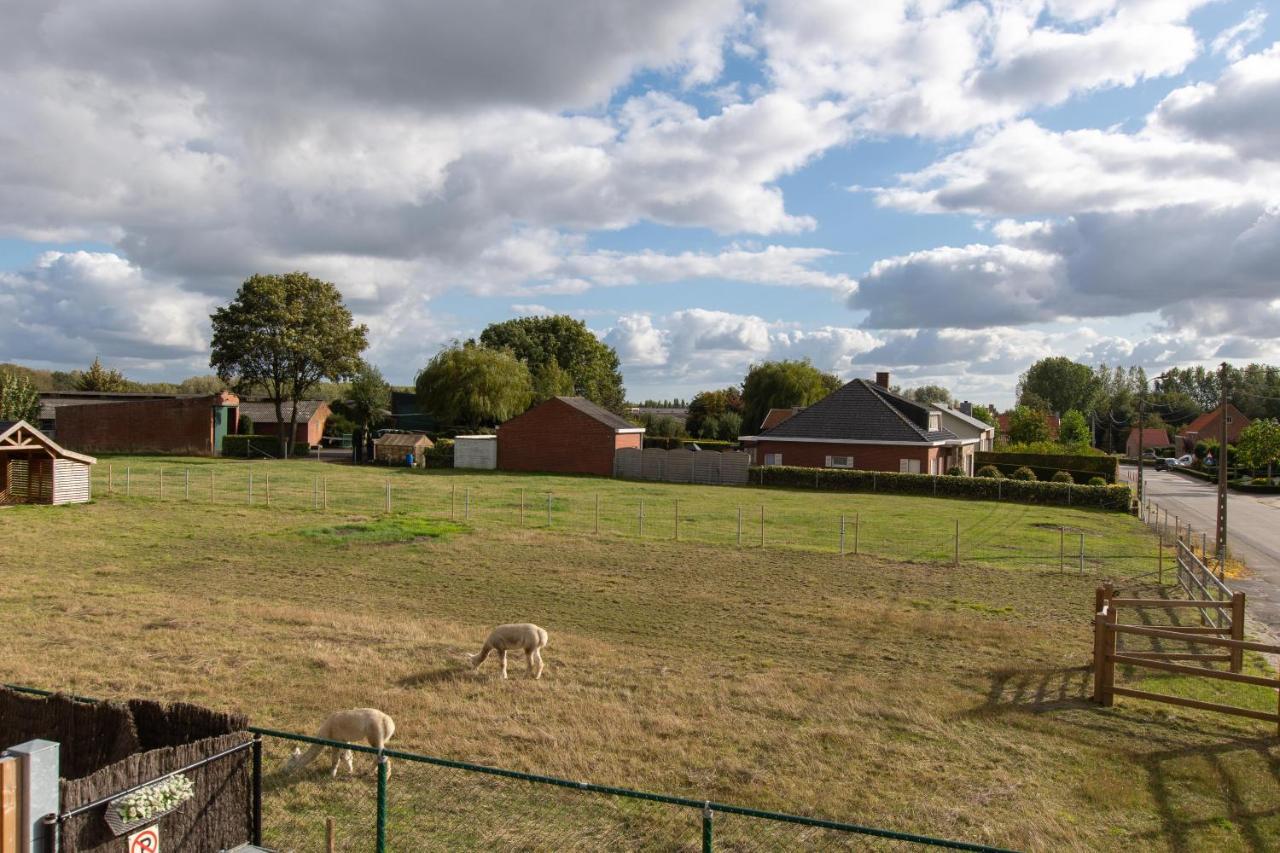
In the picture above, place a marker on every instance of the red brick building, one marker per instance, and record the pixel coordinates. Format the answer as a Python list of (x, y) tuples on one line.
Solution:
[(1208, 427), (187, 425), (565, 435), (866, 426), (312, 416)]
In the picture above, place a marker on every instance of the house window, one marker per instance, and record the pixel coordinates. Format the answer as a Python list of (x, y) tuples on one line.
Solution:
[(935, 421), (908, 466), (839, 461), (773, 459)]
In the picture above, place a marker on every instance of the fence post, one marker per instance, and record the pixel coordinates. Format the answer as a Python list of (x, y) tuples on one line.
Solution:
[(128, 480), (186, 484), (466, 504), (1099, 644), (213, 498), (388, 494), (453, 501), (1062, 551), (266, 487), (1160, 555), (857, 527), (677, 520), (548, 510), (597, 516), (324, 493), (330, 842), (1109, 655), (739, 527), (956, 560), (642, 518), (706, 828), (251, 487), (111, 479), (761, 525), (161, 484), (522, 507), (382, 803), (257, 790), (315, 493), (1237, 630), (842, 534), (1081, 553)]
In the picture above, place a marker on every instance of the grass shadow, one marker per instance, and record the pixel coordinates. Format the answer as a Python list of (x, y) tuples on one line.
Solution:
[(442, 675)]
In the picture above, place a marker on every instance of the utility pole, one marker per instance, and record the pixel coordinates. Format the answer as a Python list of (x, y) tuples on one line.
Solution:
[(1142, 430), (1222, 474)]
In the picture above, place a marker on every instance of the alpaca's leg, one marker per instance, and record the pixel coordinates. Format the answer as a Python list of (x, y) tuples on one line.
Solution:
[(537, 659), (502, 656), (337, 761), (350, 756), (528, 662)]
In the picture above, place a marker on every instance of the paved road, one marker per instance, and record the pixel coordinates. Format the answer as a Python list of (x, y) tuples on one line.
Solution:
[(1253, 533)]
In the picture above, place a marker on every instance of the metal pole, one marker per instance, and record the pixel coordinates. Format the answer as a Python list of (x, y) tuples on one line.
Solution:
[(1082, 553), (111, 479), (706, 828), (128, 480), (1221, 546), (1142, 422), (257, 790), (1160, 554), (266, 487), (466, 504), (522, 507), (250, 487), (761, 525), (212, 497), (186, 484), (956, 560), (161, 484), (842, 534), (642, 518), (597, 523), (388, 494), (857, 529), (1062, 553), (548, 510), (739, 527), (382, 804), (453, 501), (677, 534), (315, 493), (324, 493)]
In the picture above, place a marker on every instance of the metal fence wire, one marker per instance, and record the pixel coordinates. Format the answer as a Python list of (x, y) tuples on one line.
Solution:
[(402, 801)]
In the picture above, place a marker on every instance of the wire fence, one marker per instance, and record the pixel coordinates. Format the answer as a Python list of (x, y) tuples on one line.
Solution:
[(890, 527), (428, 803)]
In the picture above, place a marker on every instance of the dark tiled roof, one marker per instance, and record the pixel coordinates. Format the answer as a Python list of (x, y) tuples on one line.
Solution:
[(604, 416), (861, 411), (265, 413)]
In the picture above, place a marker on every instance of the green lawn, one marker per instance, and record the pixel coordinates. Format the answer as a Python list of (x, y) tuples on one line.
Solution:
[(904, 693)]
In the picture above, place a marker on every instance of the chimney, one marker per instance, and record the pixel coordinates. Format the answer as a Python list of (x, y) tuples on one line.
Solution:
[(966, 408), (882, 379)]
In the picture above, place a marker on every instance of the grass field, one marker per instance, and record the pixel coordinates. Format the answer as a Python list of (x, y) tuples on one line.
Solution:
[(903, 693)]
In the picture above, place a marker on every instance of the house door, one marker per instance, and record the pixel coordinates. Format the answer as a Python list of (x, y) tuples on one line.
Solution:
[(221, 426)]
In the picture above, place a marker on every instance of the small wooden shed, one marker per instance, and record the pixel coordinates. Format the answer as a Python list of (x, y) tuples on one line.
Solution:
[(34, 469), (393, 446)]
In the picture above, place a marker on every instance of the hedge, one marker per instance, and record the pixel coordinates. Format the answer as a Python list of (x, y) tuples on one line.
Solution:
[(1117, 498), (1046, 465), (244, 446), (1233, 485), (664, 443), (439, 455)]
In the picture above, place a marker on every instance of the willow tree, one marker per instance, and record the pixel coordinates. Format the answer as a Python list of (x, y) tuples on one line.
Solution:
[(473, 386), (285, 334)]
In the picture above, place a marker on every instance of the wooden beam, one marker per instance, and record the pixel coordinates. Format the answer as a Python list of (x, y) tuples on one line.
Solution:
[(1196, 703), (1211, 641), (1183, 669)]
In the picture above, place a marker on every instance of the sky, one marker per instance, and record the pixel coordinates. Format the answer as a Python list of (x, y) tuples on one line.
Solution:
[(944, 190)]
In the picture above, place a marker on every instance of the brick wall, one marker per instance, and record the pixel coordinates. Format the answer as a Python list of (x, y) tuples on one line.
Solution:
[(867, 457), (181, 425), (555, 437)]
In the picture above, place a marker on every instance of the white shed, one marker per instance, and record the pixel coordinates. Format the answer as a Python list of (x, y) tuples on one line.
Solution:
[(475, 451), (34, 469)]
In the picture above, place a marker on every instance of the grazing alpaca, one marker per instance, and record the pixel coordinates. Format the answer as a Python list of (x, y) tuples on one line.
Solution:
[(506, 638), (367, 724)]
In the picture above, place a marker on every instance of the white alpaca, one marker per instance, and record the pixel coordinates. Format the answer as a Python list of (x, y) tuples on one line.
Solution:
[(367, 724), (524, 636)]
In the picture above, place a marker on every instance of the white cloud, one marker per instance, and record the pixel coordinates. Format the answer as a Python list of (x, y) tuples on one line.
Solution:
[(1242, 109), (1232, 41)]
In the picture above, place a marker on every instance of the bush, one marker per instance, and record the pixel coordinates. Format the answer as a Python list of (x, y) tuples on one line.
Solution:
[(1064, 477), (1025, 473), (990, 471), (1097, 481), (258, 446), (990, 488), (955, 471), (245, 427), (439, 455), (1045, 465)]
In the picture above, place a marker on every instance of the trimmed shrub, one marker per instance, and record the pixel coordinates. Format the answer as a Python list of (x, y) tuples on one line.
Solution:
[(1025, 473), (258, 446), (439, 455), (955, 471), (1116, 498), (989, 471), (1080, 466), (245, 426), (1097, 481), (1064, 477)]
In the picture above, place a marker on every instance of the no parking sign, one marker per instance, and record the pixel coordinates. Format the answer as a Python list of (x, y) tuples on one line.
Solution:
[(145, 840)]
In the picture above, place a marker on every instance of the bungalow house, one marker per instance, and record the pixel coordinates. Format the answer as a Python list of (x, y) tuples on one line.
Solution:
[(1208, 427), (312, 415), (864, 425), (967, 426), (1151, 438)]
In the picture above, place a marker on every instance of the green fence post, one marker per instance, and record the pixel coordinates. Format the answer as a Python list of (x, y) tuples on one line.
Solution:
[(382, 804), (257, 790), (706, 828)]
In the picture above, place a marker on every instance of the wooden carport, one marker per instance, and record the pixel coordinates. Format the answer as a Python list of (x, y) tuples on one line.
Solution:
[(36, 470)]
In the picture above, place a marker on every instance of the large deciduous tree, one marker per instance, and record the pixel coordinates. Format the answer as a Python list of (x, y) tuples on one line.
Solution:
[(538, 341), (782, 384), (1074, 430), (927, 394), (1259, 445), (1027, 425), (473, 386), (99, 378), (285, 333), (19, 399), (367, 400), (1060, 382), (713, 405)]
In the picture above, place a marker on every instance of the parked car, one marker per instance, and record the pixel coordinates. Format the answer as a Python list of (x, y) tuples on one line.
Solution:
[(1178, 462)]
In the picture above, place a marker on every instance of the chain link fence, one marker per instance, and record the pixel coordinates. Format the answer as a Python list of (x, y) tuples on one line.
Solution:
[(402, 801), (1082, 541)]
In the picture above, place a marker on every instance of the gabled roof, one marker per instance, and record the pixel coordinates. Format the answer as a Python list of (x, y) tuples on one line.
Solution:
[(1206, 419), (265, 412), (1151, 437), (10, 429), (976, 423), (777, 416), (403, 439), (861, 411), (604, 416)]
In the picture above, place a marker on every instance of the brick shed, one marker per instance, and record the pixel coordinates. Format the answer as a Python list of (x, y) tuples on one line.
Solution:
[(565, 435), (189, 425), (312, 416)]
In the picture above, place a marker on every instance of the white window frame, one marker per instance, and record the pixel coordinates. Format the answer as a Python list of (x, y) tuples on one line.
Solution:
[(905, 466), (773, 459), (844, 462)]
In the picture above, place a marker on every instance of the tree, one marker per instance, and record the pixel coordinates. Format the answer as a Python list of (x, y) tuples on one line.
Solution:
[(474, 385), (713, 404), (367, 401), (1027, 426), (593, 366), (285, 333), (1060, 382), (927, 394), (1259, 444), (730, 426), (99, 378), (551, 380), (201, 385), (782, 384), (985, 415), (1073, 431), (19, 399)]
